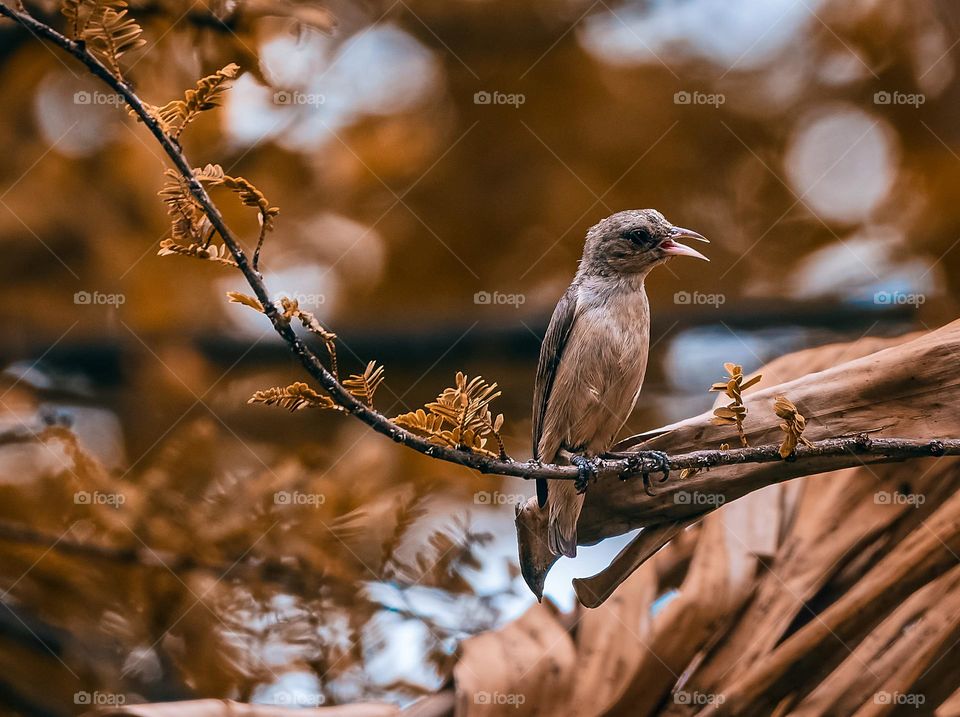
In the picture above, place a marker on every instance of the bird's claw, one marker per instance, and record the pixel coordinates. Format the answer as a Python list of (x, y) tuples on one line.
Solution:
[(660, 463), (587, 469), (646, 462)]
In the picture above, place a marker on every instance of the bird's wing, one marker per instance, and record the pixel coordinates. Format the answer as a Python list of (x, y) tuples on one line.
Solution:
[(550, 352)]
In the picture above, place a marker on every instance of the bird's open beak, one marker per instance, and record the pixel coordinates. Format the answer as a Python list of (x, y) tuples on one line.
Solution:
[(671, 247)]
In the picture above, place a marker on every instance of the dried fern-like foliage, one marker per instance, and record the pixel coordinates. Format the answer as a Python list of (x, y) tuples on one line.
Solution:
[(451, 551), (285, 554), (295, 397), (237, 298), (189, 222), (364, 385), (793, 425), (253, 197), (292, 311), (106, 29), (734, 412), (176, 115), (409, 511), (77, 13), (460, 417), (278, 551), (212, 252), (110, 34)]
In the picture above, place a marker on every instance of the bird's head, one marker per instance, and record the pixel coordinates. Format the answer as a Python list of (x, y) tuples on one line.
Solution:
[(633, 242)]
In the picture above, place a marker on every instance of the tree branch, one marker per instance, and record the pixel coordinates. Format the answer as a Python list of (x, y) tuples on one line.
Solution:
[(306, 356), (888, 449)]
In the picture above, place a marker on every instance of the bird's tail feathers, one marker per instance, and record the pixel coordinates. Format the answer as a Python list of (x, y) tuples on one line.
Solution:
[(565, 505), (542, 492)]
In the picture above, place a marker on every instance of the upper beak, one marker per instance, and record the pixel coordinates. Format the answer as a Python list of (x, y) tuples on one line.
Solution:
[(672, 248)]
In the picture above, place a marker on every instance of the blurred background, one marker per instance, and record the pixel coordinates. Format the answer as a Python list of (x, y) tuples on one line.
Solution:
[(436, 165)]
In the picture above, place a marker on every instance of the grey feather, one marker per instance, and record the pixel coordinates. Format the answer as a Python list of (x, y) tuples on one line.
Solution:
[(551, 351)]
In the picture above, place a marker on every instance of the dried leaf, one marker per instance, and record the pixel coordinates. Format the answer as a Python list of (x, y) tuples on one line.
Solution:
[(211, 252), (734, 412), (364, 385), (292, 311), (793, 425), (237, 298), (460, 417), (189, 221), (106, 29), (295, 397), (176, 115)]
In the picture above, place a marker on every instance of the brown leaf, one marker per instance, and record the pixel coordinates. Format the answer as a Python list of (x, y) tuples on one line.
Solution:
[(295, 397), (237, 298)]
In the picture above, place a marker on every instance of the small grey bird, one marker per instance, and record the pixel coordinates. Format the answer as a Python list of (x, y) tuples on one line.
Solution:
[(594, 356)]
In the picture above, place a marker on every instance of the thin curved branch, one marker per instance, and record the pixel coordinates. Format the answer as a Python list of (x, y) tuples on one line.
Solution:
[(307, 357), (889, 449)]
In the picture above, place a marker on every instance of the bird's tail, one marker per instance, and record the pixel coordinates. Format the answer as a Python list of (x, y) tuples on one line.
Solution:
[(565, 504)]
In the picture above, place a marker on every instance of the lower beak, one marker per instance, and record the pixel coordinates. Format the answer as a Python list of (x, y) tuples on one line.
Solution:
[(672, 248)]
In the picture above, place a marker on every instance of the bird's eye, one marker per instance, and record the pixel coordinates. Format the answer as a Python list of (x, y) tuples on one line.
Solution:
[(640, 237)]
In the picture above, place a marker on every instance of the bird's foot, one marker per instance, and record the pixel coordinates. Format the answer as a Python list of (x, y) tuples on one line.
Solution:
[(646, 462), (588, 470)]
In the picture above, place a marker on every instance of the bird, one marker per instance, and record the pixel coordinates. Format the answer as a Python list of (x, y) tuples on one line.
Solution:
[(594, 356)]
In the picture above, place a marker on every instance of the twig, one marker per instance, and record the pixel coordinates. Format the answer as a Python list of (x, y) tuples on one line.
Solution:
[(309, 360), (890, 449)]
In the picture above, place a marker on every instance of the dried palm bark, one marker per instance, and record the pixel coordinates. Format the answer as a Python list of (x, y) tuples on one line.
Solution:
[(794, 588), (836, 595), (905, 387)]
